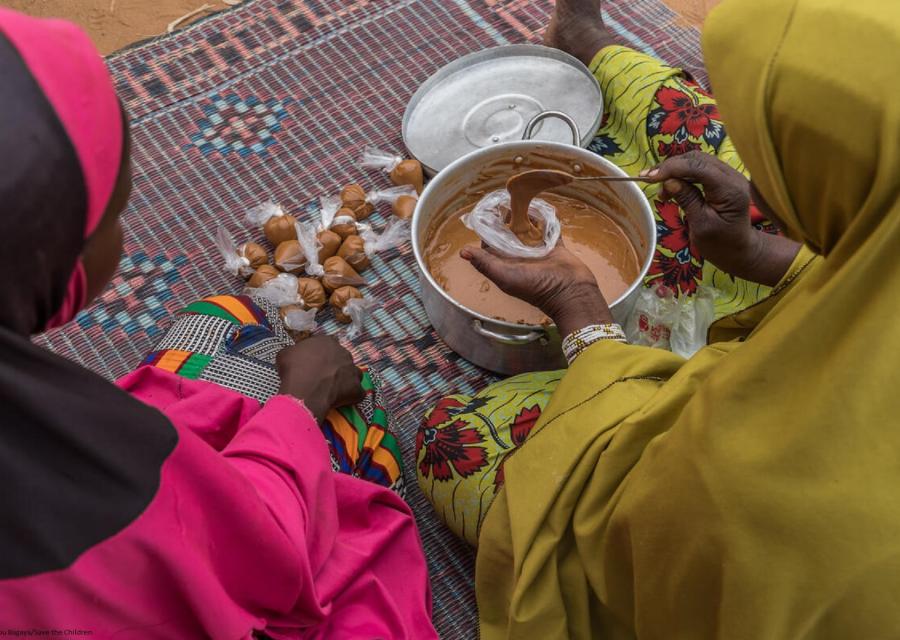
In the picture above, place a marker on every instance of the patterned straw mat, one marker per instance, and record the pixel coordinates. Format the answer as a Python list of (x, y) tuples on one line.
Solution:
[(276, 99)]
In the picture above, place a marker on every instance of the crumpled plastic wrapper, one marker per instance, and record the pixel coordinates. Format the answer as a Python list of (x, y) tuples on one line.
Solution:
[(660, 319)]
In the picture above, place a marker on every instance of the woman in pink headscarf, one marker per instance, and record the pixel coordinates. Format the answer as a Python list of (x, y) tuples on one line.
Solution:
[(164, 507)]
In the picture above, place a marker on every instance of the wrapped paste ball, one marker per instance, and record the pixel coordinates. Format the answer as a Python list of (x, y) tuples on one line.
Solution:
[(289, 257), (277, 225), (344, 223), (338, 273), (280, 229), (404, 207), (353, 197), (330, 242), (254, 254), (353, 250), (408, 172), (312, 292), (262, 275), (339, 300)]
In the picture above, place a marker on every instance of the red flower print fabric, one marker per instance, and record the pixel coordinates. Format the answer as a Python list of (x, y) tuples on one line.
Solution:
[(686, 118), (450, 446), (676, 264)]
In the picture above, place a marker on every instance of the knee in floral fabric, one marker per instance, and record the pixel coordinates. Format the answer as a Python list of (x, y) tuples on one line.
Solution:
[(463, 441), (653, 112)]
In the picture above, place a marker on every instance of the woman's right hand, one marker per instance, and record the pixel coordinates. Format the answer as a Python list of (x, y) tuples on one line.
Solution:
[(560, 285), (321, 373), (718, 217)]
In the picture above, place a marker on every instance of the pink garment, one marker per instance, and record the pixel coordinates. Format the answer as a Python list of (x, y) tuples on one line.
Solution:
[(73, 77), (250, 529)]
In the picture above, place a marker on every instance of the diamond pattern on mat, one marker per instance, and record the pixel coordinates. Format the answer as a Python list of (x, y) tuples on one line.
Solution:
[(135, 300), (239, 125)]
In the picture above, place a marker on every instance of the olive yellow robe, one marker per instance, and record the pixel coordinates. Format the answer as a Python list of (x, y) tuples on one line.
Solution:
[(752, 491)]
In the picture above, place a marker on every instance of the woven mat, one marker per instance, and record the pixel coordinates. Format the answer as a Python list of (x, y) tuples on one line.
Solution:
[(276, 99)]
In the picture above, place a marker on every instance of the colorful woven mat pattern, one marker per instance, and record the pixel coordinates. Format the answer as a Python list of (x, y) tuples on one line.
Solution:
[(276, 99)]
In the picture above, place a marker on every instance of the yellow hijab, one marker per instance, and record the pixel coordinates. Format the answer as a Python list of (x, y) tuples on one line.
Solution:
[(754, 490)]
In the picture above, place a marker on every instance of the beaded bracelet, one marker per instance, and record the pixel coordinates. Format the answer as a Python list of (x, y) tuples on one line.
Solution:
[(578, 341)]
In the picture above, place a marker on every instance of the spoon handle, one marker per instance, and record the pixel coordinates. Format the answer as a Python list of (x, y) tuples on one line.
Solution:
[(615, 179)]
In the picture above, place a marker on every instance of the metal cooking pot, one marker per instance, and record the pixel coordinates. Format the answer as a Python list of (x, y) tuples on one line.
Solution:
[(506, 347)]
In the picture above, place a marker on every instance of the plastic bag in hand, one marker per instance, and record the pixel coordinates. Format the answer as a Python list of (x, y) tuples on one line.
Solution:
[(488, 220), (659, 319)]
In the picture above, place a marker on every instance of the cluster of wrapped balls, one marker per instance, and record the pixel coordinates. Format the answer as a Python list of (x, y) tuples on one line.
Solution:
[(344, 242)]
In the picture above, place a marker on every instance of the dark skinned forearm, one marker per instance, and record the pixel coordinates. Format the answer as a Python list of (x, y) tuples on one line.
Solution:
[(769, 260), (580, 307)]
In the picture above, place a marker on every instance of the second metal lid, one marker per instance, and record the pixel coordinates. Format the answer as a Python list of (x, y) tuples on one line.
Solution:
[(489, 96)]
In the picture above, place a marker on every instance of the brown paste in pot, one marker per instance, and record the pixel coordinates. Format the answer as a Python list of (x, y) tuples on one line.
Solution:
[(597, 239)]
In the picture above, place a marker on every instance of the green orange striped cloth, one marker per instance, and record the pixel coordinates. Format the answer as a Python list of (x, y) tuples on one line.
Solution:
[(233, 341)]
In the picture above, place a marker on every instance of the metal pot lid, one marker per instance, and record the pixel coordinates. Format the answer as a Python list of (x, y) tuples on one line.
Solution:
[(489, 97)]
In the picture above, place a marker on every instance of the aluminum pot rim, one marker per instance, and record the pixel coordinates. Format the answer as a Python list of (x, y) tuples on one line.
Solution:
[(473, 156)]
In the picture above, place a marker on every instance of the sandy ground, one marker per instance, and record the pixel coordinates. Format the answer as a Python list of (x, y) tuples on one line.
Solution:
[(114, 24), (692, 11)]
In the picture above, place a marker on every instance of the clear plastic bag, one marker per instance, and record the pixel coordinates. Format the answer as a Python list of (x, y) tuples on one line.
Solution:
[(235, 263), (281, 291), (359, 310), (488, 220), (301, 321), (309, 243), (395, 233), (328, 208), (659, 319), (262, 213), (391, 194), (374, 158)]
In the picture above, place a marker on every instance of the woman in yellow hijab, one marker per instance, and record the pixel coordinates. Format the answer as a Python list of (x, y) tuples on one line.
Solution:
[(752, 490)]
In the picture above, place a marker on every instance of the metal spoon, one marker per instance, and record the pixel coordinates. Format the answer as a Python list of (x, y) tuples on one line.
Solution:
[(554, 177), (613, 179)]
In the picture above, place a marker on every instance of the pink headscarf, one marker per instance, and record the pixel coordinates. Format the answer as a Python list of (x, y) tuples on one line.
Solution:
[(75, 80)]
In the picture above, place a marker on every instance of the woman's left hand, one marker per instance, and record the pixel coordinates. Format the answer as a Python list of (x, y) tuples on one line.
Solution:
[(321, 373)]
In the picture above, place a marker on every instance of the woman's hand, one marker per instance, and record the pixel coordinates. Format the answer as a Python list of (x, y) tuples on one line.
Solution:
[(560, 285), (321, 373), (718, 217)]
